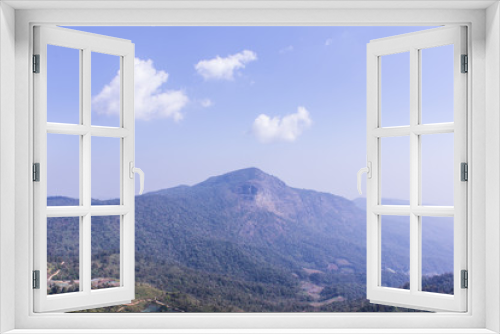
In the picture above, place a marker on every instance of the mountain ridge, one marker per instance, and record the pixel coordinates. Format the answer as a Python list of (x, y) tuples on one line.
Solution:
[(251, 208), (251, 231)]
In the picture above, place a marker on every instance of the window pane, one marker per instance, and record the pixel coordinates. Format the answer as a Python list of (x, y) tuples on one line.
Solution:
[(63, 255), (395, 89), (437, 169), (437, 84), (106, 171), (395, 170), (395, 239), (63, 170), (63, 85), (437, 254), (105, 252), (105, 90)]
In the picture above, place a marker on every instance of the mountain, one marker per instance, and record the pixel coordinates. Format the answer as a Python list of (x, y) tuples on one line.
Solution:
[(243, 241), (259, 216)]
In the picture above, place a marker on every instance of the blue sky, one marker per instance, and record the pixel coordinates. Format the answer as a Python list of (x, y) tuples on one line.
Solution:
[(288, 100)]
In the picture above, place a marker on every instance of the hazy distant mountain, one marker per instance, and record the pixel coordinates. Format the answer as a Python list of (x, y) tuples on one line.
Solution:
[(437, 237), (361, 202)]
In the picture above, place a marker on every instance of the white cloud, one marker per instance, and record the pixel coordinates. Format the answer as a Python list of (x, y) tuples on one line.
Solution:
[(288, 128), (287, 49), (151, 100), (329, 42), (206, 103), (223, 68)]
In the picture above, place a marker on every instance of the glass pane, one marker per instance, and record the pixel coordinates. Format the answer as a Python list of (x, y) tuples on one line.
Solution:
[(105, 90), (437, 84), (63, 85), (105, 171), (63, 255), (437, 169), (63, 170), (395, 170), (395, 241), (105, 252), (395, 89), (437, 254)]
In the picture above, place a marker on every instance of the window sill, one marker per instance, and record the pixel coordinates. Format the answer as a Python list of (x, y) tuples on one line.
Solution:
[(251, 331)]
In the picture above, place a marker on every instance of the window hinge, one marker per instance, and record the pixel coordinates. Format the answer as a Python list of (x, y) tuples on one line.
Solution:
[(465, 279), (36, 63), (36, 279), (464, 171), (465, 64), (36, 172)]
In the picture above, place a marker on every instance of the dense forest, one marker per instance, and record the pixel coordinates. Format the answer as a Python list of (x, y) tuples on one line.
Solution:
[(243, 242)]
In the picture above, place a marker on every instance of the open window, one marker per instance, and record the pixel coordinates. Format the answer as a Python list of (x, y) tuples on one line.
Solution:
[(18, 17), (404, 113), (69, 277)]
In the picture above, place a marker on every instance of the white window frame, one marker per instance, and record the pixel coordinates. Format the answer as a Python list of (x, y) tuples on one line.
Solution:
[(484, 214)]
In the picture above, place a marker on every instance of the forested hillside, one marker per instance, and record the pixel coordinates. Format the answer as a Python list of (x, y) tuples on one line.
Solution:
[(240, 242)]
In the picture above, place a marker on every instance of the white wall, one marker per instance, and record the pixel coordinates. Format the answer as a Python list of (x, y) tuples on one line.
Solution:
[(7, 159), (492, 163)]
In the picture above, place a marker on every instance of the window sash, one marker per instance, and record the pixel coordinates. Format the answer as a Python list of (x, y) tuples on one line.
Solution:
[(86, 297), (414, 298)]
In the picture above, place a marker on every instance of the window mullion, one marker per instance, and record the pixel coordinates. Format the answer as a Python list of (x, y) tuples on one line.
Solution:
[(414, 171), (85, 177), (86, 139), (421, 130)]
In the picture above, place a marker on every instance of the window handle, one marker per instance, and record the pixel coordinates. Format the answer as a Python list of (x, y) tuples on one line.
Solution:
[(368, 171), (139, 171)]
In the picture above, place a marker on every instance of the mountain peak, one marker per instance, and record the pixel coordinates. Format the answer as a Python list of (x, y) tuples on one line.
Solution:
[(242, 175)]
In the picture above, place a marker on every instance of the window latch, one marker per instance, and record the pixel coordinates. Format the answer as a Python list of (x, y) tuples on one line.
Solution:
[(132, 171), (368, 171)]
